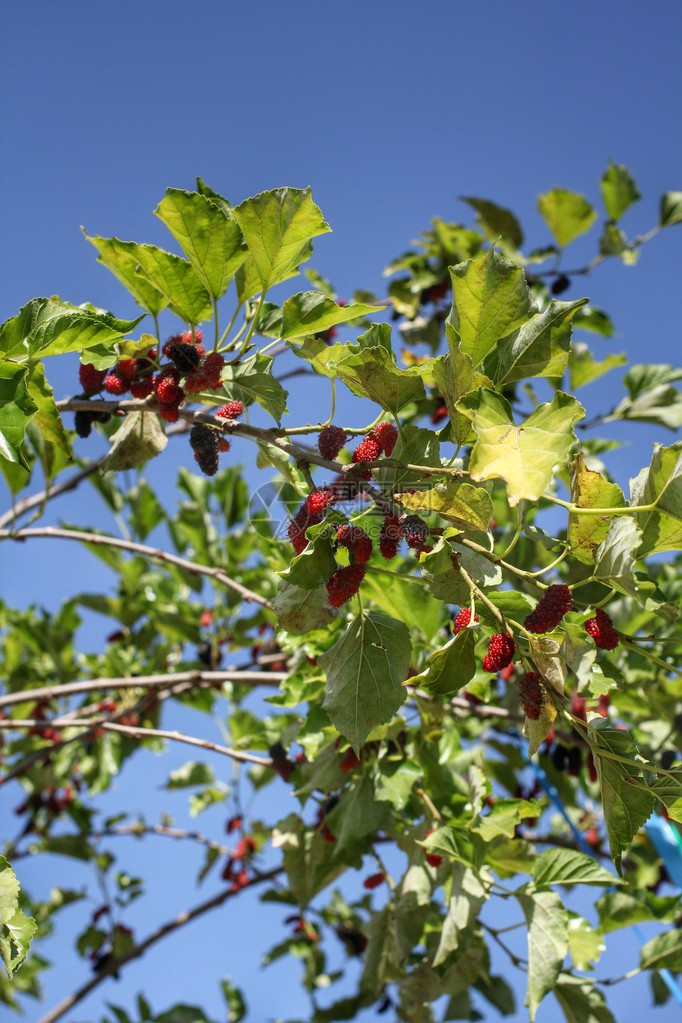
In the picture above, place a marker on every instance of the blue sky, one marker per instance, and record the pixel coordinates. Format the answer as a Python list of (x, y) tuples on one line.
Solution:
[(389, 111)]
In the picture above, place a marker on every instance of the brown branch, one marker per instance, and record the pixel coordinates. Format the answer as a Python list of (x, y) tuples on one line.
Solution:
[(98, 539), (136, 732), (115, 965), (252, 678), (36, 500)]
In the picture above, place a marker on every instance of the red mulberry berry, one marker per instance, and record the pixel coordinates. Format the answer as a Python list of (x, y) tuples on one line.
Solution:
[(114, 384), (91, 379), (368, 450), (170, 411), (213, 368), (551, 608), (344, 584), (204, 443), (142, 388), (433, 859), (532, 695), (318, 501), (414, 530), (190, 338), (462, 619), (389, 537), (166, 385), (501, 649), (330, 441), (127, 369), (356, 541), (298, 525), (184, 357), (387, 435), (374, 880), (601, 629), (223, 445), (233, 410)]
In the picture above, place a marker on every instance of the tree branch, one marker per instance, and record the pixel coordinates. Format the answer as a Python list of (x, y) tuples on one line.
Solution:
[(136, 732), (135, 953), (253, 678), (98, 539)]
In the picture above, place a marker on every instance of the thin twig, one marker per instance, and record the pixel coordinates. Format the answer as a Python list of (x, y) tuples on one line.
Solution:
[(138, 732), (99, 539), (113, 966)]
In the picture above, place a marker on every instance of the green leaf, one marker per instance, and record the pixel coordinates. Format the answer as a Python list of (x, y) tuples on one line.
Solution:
[(459, 844), (309, 312), (496, 221), (210, 238), (381, 958), (547, 944), (594, 320), (537, 349), (315, 565), (306, 859), (467, 896), (17, 408), (618, 190), (356, 817), (449, 669), (278, 227), (121, 258), (467, 506), (670, 209), (590, 489), (668, 788), (504, 816), (615, 556), (365, 670), (625, 908), (16, 929), (644, 376), (585, 369), (524, 456), (48, 326), (568, 866), (372, 373), (234, 999), (252, 380), (490, 299), (395, 780), (537, 730), (47, 417), (660, 484), (177, 281), (567, 214), (454, 376), (652, 399), (136, 441), (664, 952), (190, 773), (581, 1001), (585, 944), (627, 802)]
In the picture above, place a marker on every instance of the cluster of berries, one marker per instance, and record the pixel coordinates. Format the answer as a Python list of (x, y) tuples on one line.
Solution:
[(601, 629), (550, 609), (232, 872)]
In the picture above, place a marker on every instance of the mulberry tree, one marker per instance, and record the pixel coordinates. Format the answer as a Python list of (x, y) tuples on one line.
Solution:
[(465, 630)]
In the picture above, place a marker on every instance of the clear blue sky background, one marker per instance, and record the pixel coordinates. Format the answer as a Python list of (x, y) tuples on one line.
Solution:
[(389, 111)]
